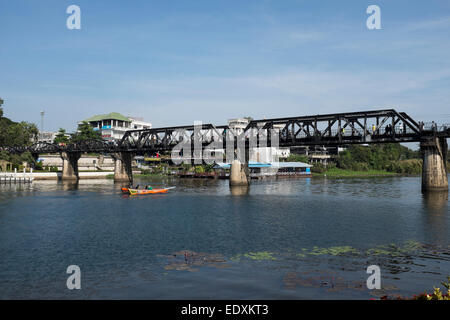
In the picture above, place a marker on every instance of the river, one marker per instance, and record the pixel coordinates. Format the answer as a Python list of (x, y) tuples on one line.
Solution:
[(281, 239)]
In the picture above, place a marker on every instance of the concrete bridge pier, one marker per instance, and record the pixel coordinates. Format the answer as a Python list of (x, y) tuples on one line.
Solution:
[(434, 169), (239, 172), (239, 175), (122, 167), (70, 166)]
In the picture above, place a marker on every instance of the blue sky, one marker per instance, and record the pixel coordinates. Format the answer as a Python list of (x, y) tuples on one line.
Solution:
[(173, 62)]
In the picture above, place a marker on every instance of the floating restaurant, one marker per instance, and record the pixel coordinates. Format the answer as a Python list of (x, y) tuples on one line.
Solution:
[(267, 169)]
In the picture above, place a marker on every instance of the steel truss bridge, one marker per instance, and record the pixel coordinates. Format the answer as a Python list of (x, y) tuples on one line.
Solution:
[(380, 126)]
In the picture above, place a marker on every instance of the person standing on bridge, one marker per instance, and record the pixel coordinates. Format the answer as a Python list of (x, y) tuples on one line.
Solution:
[(421, 125)]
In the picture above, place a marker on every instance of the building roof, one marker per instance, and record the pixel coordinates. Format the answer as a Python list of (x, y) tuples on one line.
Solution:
[(109, 116), (291, 165), (278, 165)]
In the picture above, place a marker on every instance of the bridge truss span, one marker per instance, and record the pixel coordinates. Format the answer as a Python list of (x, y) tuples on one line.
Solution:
[(378, 126), (373, 126), (381, 126)]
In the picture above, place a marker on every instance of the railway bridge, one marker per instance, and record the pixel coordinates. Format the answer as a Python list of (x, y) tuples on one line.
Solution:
[(365, 127)]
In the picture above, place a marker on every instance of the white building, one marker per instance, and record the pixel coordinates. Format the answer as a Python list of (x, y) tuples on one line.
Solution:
[(139, 123), (268, 154), (238, 125), (261, 154), (85, 163), (45, 136), (112, 126)]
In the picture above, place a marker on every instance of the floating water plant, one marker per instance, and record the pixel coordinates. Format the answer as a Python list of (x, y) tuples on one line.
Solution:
[(262, 255), (334, 251), (259, 256), (393, 250)]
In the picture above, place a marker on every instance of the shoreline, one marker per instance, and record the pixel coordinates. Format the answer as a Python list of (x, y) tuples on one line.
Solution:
[(109, 175), (341, 173), (83, 175)]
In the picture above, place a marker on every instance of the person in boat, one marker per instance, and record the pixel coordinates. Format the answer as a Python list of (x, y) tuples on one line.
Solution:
[(149, 187)]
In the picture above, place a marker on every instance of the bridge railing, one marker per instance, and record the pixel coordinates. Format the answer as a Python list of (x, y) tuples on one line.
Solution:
[(432, 126), (350, 132)]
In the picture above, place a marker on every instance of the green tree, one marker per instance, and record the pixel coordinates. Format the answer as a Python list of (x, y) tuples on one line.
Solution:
[(389, 156), (293, 157), (16, 134), (85, 132), (1, 109), (61, 137)]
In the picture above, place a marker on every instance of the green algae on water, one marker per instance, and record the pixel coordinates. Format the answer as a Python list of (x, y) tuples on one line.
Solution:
[(395, 251), (333, 251), (258, 256), (262, 255)]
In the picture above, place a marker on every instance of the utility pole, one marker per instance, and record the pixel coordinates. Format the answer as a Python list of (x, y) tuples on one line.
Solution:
[(42, 120)]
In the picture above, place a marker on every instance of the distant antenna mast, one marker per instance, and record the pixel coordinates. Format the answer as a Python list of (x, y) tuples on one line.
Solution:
[(42, 120)]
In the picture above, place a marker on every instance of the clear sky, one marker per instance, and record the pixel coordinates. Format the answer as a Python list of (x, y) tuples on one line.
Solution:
[(173, 62)]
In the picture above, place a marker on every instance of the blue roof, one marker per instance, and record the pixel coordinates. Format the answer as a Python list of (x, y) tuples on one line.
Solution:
[(291, 165), (251, 164)]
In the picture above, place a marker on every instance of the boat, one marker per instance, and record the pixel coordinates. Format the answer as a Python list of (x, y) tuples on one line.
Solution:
[(148, 191), (126, 190)]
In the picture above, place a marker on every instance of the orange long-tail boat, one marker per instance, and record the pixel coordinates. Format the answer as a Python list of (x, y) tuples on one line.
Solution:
[(148, 191)]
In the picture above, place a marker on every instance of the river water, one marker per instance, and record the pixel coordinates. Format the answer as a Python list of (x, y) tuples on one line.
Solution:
[(282, 239)]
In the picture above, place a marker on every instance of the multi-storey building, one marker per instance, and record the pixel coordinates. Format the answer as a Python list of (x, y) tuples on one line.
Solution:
[(112, 126)]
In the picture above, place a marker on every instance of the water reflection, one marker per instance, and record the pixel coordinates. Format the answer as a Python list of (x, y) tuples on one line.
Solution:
[(69, 185), (436, 214), (436, 202), (239, 190)]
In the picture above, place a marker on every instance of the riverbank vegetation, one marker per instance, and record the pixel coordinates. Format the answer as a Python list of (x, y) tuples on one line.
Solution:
[(16, 134), (437, 294), (373, 160), (21, 134), (390, 157), (342, 173)]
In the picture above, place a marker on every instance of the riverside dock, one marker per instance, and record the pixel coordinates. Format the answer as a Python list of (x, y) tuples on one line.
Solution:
[(15, 177)]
